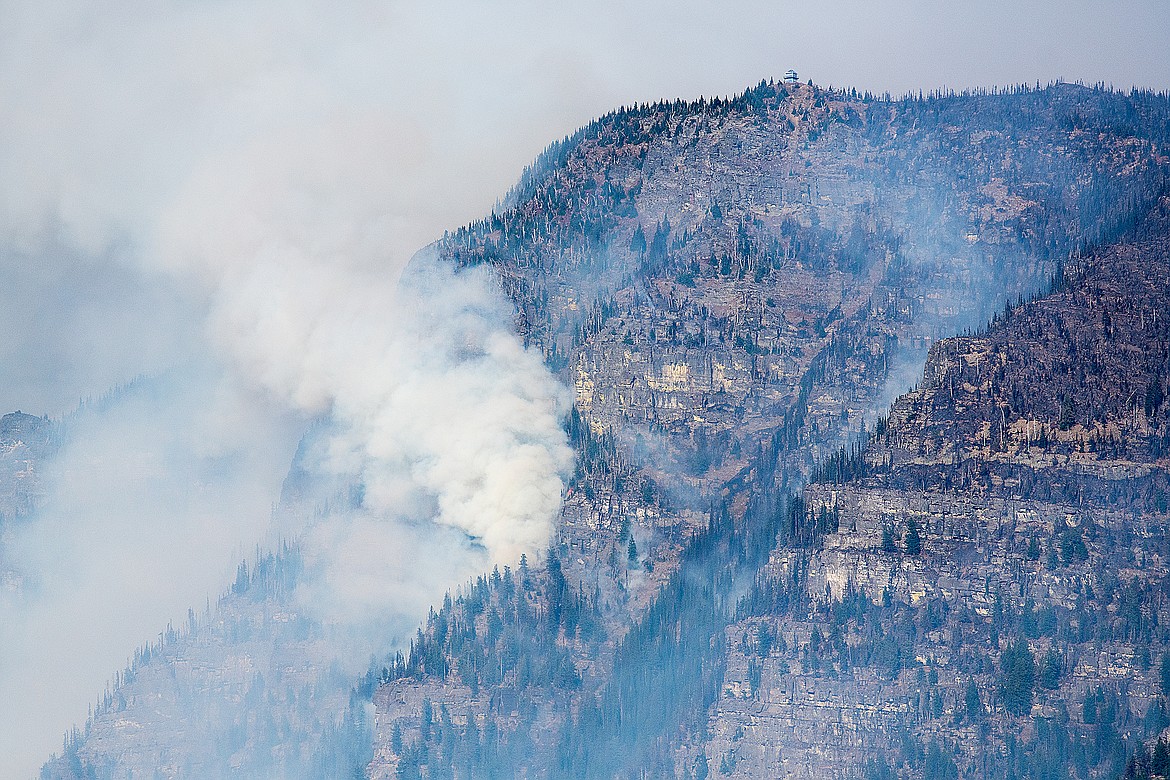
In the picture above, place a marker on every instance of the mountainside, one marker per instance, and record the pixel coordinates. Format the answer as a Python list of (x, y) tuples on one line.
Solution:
[(1062, 398), (729, 287), (990, 595), (736, 290)]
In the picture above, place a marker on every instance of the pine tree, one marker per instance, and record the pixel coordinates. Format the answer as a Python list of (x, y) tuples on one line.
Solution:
[(1051, 670), (913, 540), (972, 702), (1017, 677), (888, 543), (1160, 764), (427, 719)]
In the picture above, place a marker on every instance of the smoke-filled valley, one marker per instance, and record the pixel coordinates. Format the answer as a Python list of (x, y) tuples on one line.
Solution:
[(802, 433)]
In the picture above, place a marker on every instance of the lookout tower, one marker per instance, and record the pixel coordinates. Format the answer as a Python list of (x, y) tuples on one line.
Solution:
[(791, 77)]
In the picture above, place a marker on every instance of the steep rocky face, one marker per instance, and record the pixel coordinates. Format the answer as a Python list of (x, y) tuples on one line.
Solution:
[(945, 634), (1065, 397), (989, 595)]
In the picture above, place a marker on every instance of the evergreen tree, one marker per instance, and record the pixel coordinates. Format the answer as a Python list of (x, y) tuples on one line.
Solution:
[(1160, 763), (913, 540), (889, 545), (938, 765), (971, 701), (427, 719), (1051, 670), (1017, 677), (638, 242)]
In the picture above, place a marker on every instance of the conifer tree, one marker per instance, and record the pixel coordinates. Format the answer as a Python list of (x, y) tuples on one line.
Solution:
[(913, 539)]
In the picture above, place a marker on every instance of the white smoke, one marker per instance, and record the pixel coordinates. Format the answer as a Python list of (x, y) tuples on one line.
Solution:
[(439, 414), (425, 381)]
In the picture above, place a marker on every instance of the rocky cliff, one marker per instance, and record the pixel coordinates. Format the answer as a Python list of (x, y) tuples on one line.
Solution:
[(989, 596)]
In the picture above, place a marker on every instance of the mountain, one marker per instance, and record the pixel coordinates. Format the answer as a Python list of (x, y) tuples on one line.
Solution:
[(735, 289), (992, 585), (1061, 399), (761, 567)]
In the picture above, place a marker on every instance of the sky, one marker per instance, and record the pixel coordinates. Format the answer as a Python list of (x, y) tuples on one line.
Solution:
[(218, 196)]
